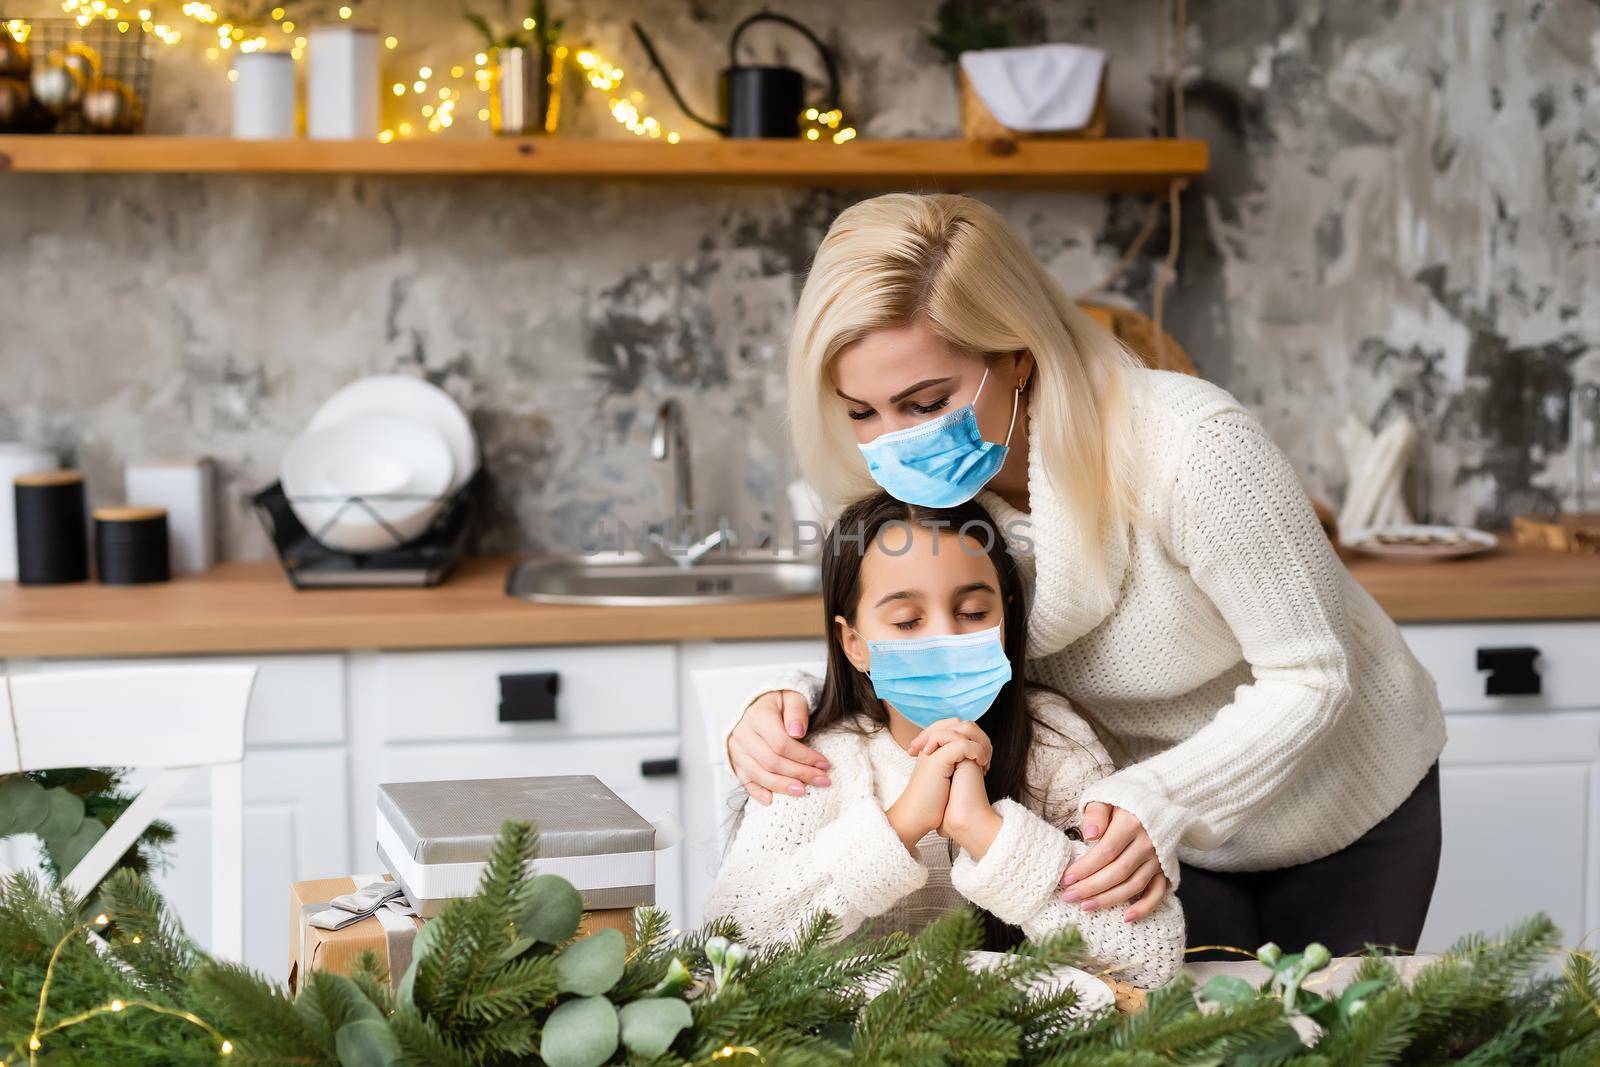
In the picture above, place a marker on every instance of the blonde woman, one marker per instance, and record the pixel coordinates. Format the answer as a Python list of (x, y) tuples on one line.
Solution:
[(1277, 741)]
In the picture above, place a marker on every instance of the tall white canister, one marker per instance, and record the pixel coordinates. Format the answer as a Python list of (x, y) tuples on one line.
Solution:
[(342, 83), (16, 457), (263, 96)]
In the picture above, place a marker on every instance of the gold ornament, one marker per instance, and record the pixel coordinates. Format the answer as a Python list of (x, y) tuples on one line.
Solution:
[(15, 57), (56, 86), (85, 60), (111, 107), (14, 101)]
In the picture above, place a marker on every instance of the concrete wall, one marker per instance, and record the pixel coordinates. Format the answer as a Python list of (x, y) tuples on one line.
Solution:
[(1401, 217)]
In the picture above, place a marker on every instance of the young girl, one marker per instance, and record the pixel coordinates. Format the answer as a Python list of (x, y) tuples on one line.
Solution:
[(929, 810)]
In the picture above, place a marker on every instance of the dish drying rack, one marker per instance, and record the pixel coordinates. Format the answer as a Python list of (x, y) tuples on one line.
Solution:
[(423, 561)]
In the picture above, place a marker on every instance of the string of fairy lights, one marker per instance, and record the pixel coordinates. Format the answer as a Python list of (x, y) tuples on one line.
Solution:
[(439, 90)]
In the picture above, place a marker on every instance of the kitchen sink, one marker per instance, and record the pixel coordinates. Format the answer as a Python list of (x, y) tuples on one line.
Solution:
[(628, 580)]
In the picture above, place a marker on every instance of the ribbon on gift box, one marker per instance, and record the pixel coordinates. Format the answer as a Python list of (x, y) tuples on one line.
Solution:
[(394, 913)]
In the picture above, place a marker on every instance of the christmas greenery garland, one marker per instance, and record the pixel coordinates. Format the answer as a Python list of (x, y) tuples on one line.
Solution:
[(500, 978), (69, 810)]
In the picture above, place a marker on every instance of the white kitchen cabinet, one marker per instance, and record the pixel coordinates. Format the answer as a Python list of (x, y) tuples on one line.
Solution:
[(450, 714), (1518, 778)]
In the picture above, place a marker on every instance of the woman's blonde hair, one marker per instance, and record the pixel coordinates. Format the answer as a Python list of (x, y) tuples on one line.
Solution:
[(953, 264)]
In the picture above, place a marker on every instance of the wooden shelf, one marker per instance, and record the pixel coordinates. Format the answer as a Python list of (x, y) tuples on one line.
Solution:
[(1099, 165)]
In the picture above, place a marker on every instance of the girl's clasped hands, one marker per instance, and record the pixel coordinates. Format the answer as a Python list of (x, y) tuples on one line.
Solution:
[(946, 791)]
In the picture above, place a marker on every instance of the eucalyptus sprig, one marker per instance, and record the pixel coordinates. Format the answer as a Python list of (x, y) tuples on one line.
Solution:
[(536, 27)]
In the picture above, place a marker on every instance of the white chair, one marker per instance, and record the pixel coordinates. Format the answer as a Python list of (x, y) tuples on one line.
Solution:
[(722, 691), (167, 719)]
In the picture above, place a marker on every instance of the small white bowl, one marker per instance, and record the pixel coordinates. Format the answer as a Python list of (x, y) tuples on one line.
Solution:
[(342, 478), (413, 398)]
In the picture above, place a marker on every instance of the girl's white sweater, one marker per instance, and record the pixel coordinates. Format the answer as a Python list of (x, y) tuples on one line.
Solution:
[(833, 850), (1264, 709)]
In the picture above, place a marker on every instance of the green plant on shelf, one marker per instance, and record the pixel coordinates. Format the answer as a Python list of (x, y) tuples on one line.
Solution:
[(535, 28)]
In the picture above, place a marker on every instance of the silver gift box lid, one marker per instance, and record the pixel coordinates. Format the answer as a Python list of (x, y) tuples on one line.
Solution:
[(459, 821)]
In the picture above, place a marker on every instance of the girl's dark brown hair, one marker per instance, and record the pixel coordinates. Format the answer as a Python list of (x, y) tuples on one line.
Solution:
[(847, 692)]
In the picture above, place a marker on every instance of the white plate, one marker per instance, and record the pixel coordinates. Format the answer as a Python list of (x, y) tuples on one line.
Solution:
[(399, 394), (400, 467), (1455, 542)]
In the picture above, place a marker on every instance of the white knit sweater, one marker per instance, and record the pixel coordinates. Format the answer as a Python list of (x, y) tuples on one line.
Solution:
[(833, 850), (1264, 709)]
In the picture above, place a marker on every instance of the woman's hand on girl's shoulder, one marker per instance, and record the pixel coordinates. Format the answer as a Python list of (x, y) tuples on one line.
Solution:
[(1120, 868), (765, 751)]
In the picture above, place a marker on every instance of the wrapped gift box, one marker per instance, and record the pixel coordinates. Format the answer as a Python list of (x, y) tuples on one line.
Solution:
[(435, 837), (388, 934)]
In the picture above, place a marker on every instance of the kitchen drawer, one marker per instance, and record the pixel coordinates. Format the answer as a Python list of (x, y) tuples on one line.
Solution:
[(642, 771), (1567, 663), (296, 700), (626, 689)]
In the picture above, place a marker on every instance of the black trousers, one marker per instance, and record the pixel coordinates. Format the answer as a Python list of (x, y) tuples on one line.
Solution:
[(1376, 889)]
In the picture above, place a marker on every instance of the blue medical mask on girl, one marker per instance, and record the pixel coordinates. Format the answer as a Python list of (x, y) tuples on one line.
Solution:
[(940, 677), (941, 462)]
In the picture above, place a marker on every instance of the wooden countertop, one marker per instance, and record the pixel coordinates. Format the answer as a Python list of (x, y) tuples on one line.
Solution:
[(250, 607)]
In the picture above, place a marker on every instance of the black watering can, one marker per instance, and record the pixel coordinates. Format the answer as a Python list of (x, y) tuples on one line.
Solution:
[(756, 101)]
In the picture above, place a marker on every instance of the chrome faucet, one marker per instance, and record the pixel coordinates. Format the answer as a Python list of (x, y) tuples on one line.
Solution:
[(671, 434)]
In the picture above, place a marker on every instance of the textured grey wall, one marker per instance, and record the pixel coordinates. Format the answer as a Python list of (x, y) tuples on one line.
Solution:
[(1402, 216)]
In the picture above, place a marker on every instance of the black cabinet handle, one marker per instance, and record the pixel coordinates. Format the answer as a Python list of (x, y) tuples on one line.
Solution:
[(529, 697), (1512, 672), (659, 768)]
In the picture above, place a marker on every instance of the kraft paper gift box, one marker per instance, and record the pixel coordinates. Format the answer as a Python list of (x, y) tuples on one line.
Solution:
[(387, 934), (435, 837)]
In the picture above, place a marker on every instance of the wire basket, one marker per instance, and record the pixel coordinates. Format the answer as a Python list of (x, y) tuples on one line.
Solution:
[(114, 61), (424, 560)]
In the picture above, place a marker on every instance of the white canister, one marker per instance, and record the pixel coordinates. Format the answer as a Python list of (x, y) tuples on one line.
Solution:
[(263, 96), (16, 458), (342, 83), (185, 487)]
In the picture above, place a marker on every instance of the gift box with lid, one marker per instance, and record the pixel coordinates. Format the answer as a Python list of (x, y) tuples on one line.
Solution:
[(435, 837)]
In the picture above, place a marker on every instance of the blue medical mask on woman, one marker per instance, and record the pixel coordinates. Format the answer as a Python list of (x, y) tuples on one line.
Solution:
[(942, 462), (941, 677)]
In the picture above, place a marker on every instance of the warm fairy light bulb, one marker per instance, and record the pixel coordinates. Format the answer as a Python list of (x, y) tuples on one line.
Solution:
[(386, 136), (137, 939), (277, 13), (483, 114), (288, 26), (391, 42), (427, 110), (405, 129), (672, 138), (33, 1043), (344, 12), (233, 76), (811, 135), (399, 89), (102, 919), (227, 1048), (419, 87), (424, 72), (444, 94), (481, 58), (528, 24), (457, 71), (117, 1005)]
